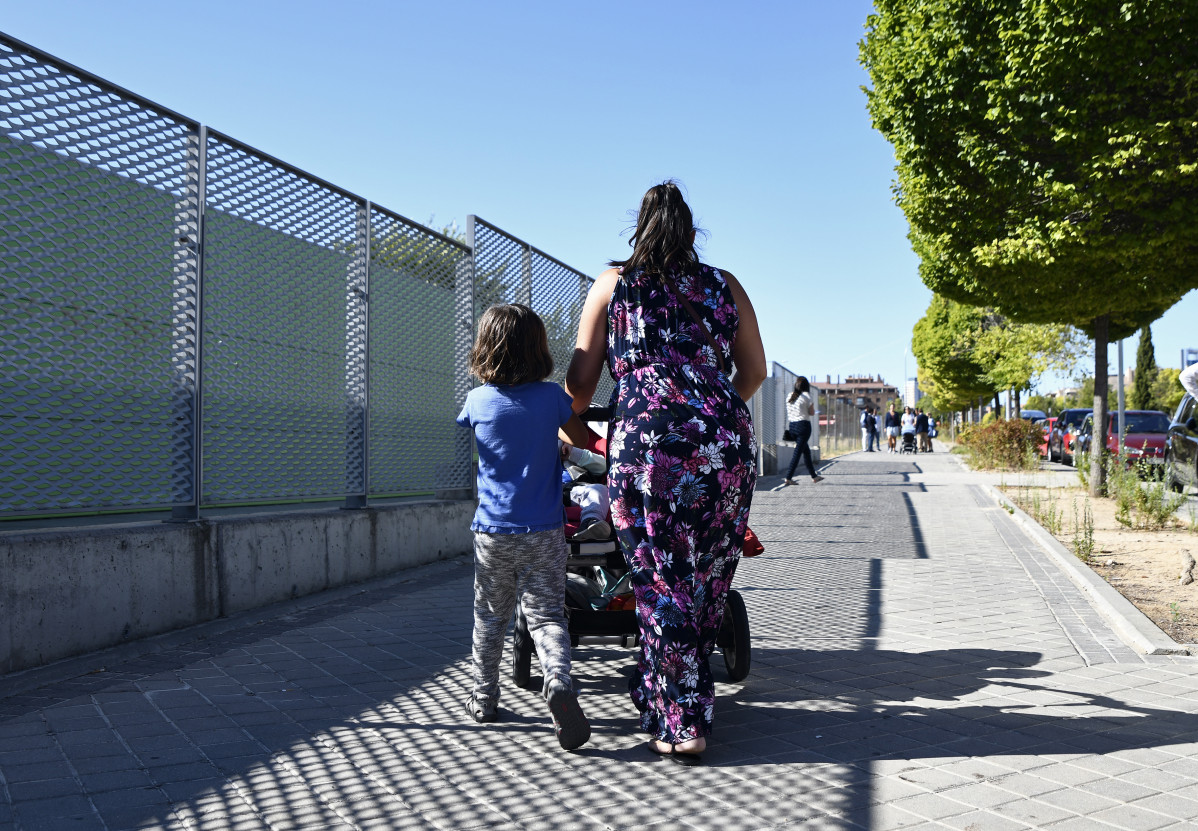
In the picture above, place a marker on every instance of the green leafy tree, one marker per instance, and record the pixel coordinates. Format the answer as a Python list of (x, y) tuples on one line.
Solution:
[(1042, 403), (1017, 354), (1047, 156), (1085, 396), (1141, 391), (943, 343), (967, 352), (1167, 392)]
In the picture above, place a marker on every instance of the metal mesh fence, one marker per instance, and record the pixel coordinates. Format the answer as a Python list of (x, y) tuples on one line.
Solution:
[(186, 322), (509, 270), (842, 428), (278, 255), (89, 185), (415, 277)]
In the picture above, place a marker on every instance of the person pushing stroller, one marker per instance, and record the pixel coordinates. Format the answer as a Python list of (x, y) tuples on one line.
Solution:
[(907, 428)]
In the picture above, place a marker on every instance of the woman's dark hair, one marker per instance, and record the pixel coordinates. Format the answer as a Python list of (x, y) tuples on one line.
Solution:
[(801, 386), (511, 347), (664, 238)]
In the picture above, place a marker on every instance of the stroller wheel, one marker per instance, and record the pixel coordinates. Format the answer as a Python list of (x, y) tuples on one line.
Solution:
[(733, 639), (522, 649)]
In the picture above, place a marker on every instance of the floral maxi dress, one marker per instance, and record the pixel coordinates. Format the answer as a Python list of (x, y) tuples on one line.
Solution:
[(682, 468)]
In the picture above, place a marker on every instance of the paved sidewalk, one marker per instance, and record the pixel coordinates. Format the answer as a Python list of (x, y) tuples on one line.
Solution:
[(917, 663)]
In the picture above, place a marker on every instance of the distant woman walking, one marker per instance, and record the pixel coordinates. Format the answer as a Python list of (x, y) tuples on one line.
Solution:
[(799, 410), (681, 453)]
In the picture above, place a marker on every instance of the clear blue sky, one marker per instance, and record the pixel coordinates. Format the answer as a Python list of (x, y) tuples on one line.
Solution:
[(551, 120)]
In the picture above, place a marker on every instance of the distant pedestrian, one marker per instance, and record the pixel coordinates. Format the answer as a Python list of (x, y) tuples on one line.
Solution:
[(865, 428), (892, 429), (871, 423), (519, 541), (921, 431), (799, 410)]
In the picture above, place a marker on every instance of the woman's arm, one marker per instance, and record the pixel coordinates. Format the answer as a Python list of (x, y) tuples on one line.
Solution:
[(748, 353), (590, 350)]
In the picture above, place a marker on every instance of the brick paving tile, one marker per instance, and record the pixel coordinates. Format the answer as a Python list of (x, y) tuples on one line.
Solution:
[(918, 663), (1133, 817), (984, 821)]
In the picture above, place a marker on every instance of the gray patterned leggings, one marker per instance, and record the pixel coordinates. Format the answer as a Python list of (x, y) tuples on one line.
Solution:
[(534, 566)]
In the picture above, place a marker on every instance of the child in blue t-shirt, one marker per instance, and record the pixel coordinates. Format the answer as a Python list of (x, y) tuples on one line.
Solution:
[(519, 544)]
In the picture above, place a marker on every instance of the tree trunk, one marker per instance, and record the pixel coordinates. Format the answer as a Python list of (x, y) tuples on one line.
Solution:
[(1018, 405), (1098, 437), (998, 413)]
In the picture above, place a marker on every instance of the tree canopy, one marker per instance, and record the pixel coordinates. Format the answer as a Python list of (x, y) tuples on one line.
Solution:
[(1168, 391), (1047, 151), (1017, 354), (966, 352), (1047, 156), (943, 344)]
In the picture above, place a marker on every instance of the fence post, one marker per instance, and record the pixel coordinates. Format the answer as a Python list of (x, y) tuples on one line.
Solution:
[(526, 276), (357, 364), (187, 268), (459, 481)]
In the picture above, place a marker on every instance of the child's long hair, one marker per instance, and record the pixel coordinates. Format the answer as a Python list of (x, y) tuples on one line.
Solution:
[(801, 386), (511, 347)]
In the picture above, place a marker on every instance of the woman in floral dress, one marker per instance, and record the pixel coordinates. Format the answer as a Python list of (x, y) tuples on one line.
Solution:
[(681, 452)]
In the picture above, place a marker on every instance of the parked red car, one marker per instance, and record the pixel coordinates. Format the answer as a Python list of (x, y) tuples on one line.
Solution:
[(1047, 425), (1144, 437), (1064, 434)]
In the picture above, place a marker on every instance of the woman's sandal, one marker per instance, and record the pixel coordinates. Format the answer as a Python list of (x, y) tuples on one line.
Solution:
[(682, 757)]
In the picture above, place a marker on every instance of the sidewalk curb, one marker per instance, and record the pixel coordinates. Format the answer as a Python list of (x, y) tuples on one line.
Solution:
[(1131, 625)]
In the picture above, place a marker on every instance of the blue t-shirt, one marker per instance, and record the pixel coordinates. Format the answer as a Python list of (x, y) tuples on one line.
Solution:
[(519, 470)]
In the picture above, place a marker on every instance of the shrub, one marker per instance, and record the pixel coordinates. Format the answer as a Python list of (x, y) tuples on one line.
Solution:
[(1140, 505), (1009, 444)]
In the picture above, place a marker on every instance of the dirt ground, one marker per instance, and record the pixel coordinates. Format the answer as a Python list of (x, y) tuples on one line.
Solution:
[(1144, 566)]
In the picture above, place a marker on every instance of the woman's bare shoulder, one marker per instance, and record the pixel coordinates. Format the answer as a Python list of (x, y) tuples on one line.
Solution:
[(604, 286), (608, 278)]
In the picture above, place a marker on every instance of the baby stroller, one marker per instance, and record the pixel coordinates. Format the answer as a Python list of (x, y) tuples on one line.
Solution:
[(908, 443), (599, 600)]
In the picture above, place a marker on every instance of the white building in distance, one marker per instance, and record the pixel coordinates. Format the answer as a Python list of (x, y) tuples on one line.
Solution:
[(912, 394)]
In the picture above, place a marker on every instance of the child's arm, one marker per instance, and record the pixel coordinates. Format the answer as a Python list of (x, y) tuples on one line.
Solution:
[(574, 432)]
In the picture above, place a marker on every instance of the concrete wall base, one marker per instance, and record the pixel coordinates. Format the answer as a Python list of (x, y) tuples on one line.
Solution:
[(68, 591)]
